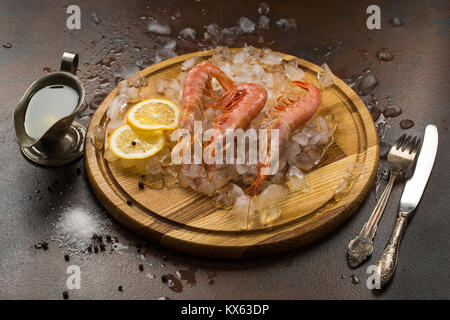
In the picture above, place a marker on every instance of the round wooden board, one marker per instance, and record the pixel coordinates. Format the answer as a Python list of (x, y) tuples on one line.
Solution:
[(186, 221)]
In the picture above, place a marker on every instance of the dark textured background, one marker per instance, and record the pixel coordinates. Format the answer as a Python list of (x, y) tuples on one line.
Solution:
[(417, 80)]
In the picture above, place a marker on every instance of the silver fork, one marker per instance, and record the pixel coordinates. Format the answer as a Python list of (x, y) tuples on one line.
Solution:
[(401, 158)]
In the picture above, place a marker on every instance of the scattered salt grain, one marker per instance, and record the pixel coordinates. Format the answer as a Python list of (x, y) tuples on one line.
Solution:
[(75, 228)]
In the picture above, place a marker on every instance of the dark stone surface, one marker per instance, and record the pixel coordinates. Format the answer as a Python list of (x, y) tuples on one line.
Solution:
[(416, 79)]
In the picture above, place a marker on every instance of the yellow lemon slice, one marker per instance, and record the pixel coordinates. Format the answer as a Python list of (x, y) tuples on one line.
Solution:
[(154, 114), (127, 143)]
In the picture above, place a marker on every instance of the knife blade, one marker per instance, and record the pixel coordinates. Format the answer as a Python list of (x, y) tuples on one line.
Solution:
[(412, 193)]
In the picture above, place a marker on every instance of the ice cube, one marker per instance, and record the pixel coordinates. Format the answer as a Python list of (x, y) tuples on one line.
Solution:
[(310, 130), (240, 57), (267, 80), (293, 73), (271, 58), (117, 107), (257, 71), (304, 162), (187, 34), (293, 150), (263, 8), (133, 94), (355, 168), (269, 215), (278, 178), (137, 80), (163, 157), (189, 63), (122, 86), (97, 137), (302, 138), (322, 138), (272, 195), (127, 71), (95, 18), (170, 44), (214, 31), (154, 167), (229, 35), (263, 23), (245, 209), (159, 28), (325, 76), (246, 25), (296, 180), (206, 187), (234, 192), (164, 54), (154, 181), (161, 86), (291, 24), (287, 24)]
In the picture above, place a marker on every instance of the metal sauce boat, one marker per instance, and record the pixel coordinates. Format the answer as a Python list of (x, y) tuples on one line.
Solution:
[(63, 142)]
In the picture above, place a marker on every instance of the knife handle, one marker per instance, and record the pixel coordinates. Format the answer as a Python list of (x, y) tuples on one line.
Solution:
[(387, 262)]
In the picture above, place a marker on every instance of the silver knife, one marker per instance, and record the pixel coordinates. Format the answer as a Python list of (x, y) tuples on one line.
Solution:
[(412, 193)]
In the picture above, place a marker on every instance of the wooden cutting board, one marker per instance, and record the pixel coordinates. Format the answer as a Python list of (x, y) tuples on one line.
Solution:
[(185, 221)]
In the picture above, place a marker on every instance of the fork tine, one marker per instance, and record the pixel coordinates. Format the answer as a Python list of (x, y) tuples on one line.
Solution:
[(405, 143), (416, 147), (399, 142), (409, 147)]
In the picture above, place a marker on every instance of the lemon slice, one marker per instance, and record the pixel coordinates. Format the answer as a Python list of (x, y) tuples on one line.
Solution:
[(154, 114), (127, 143)]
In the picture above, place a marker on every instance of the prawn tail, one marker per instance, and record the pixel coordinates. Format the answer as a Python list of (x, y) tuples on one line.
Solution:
[(302, 84), (230, 99)]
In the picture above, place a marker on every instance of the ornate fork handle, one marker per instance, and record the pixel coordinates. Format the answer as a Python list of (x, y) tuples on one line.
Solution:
[(387, 262), (362, 245)]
